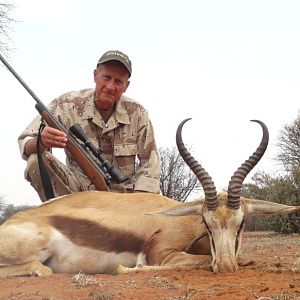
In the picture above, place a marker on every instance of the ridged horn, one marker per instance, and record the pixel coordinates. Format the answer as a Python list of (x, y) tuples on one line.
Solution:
[(235, 184), (205, 180)]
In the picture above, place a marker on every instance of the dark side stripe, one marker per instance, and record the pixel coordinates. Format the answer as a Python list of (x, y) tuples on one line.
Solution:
[(94, 235)]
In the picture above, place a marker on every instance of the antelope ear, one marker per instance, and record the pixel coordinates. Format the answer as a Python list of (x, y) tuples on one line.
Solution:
[(184, 209), (261, 207)]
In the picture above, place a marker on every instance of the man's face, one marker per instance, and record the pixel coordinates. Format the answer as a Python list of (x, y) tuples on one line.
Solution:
[(111, 80)]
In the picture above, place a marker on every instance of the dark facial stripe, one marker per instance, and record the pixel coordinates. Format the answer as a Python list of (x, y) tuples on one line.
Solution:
[(94, 235), (210, 234), (238, 236)]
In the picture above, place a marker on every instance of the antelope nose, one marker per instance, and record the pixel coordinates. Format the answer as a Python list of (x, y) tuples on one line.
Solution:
[(227, 266)]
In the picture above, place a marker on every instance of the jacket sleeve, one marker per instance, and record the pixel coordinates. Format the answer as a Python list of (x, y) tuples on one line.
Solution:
[(31, 130), (148, 168)]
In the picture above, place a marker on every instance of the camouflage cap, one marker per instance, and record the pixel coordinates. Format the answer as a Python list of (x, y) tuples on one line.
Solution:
[(116, 55)]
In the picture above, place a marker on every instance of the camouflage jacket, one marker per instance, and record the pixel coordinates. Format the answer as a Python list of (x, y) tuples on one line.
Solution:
[(127, 134)]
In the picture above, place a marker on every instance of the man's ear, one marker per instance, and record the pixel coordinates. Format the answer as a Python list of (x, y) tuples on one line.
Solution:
[(95, 74), (127, 85)]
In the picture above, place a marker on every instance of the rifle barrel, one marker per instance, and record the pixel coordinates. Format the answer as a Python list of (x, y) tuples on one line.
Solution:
[(87, 164), (27, 88)]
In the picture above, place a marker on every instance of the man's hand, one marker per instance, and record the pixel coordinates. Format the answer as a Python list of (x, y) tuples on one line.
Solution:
[(51, 137)]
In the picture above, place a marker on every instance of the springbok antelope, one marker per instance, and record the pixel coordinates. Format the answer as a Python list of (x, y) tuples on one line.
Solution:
[(104, 232)]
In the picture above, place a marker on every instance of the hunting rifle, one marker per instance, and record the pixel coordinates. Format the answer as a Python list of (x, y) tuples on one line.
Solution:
[(99, 170)]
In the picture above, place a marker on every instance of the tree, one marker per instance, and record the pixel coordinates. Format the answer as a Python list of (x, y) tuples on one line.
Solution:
[(5, 25), (289, 145), (282, 189), (177, 181), (7, 210)]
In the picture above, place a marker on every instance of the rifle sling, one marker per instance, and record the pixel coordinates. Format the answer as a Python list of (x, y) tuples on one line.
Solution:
[(46, 182)]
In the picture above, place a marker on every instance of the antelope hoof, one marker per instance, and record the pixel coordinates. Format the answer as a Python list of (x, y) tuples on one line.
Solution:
[(38, 269)]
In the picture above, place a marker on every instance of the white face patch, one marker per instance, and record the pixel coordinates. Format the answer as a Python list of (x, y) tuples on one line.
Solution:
[(224, 226)]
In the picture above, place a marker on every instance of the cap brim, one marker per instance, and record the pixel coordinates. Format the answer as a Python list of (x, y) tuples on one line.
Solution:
[(101, 61)]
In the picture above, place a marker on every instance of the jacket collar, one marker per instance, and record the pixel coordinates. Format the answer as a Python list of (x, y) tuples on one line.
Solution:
[(120, 115)]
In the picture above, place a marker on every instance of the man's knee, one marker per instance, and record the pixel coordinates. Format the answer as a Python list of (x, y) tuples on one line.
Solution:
[(32, 171), (32, 168)]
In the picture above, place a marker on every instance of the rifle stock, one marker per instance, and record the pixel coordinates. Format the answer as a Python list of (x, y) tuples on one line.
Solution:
[(86, 163), (84, 160)]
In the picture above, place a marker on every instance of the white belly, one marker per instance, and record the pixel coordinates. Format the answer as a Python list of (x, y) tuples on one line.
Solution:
[(68, 257)]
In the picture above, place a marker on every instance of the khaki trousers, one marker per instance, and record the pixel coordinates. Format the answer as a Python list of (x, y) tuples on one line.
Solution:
[(63, 180)]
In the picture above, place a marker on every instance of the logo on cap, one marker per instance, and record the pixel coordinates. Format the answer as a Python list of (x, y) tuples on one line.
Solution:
[(116, 55)]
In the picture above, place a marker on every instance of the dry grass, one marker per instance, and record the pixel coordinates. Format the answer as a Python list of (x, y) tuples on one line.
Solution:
[(296, 265), (284, 295), (82, 280)]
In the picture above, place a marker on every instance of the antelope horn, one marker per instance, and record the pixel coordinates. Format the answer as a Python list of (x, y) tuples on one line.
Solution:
[(235, 184), (209, 188)]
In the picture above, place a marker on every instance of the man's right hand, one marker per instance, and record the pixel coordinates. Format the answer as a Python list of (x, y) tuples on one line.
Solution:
[(51, 137)]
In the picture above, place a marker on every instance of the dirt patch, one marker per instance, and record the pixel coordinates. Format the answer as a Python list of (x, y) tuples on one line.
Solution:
[(270, 269)]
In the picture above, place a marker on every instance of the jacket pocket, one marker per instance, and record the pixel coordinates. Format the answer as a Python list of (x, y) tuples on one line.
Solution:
[(125, 158), (125, 150)]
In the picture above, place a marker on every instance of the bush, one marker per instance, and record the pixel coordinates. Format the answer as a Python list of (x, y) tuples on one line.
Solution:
[(7, 210), (283, 189)]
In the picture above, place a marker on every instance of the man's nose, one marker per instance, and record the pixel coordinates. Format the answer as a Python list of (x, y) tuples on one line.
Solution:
[(111, 85)]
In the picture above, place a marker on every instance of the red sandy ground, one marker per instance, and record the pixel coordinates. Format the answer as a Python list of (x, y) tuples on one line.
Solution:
[(270, 270)]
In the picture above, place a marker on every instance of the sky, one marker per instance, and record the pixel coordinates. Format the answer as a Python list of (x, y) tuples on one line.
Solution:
[(221, 63)]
